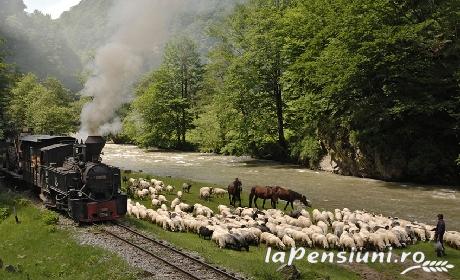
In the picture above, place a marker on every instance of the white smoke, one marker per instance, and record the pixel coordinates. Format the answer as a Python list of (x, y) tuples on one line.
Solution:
[(142, 28)]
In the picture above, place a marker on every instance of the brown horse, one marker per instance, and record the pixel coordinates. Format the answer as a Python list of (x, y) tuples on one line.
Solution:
[(234, 192), (290, 196), (264, 193)]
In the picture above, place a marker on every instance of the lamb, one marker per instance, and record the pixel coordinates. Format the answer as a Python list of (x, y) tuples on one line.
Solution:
[(169, 189), (318, 216), (202, 210), (300, 237), (305, 213), (337, 227), (205, 232), (179, 194), (359, 242), (238, 242), (142, 193), (144, 184), (332, 240), (323, 227), (164, 207), (376, 242), (205, 193), (219, 192), (185, 207), (175, 202), (288, 241), (320, 240), (303, 222), (156, 202), (186, 187), (162, 198), (346, 241), (158, 189), (452, 239), (338, 215), (272, 240), (133, 182)]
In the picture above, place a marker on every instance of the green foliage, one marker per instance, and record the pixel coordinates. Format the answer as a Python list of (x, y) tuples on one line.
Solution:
[(166, 98), (6, 80), (42, 106), (49, 217), (374, 84), (4, 213), (23, 202)]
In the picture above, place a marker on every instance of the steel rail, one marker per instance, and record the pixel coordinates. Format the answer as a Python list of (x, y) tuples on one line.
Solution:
[(224, 273), (151, 254)]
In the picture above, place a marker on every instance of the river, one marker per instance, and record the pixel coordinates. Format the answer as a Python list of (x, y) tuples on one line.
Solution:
[(325, 190)]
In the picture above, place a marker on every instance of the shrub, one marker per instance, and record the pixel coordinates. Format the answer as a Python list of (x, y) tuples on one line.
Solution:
[(4, 213), (49, 217)]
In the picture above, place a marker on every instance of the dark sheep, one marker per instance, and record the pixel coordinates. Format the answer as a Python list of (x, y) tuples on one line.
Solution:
[(186, 187), (263, 228), (205, 232), (295, 214), (236, 241)]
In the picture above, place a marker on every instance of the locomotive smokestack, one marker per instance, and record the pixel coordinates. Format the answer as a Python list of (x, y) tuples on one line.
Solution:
[(94, 146)]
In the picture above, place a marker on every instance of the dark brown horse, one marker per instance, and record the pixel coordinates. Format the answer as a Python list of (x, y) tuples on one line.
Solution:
[(290, 196), (263, 193), (234, 192)]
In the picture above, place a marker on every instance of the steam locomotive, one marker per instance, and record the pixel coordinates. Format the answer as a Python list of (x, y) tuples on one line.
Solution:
[(68, 175)]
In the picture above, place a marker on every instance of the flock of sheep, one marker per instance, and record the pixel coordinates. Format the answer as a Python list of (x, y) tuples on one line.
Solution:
[(237, 228)]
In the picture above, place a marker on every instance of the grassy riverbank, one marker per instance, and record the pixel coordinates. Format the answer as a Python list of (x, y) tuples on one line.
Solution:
[(37, 249), (252, 263)]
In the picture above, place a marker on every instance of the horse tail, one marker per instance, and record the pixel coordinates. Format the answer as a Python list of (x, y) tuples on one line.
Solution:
[(251, 196)]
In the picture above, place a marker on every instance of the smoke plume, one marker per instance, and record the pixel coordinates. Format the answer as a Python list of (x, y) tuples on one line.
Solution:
[(142, 28)]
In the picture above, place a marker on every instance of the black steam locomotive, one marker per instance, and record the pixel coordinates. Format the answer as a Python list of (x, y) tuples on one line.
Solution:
[(68, 175)]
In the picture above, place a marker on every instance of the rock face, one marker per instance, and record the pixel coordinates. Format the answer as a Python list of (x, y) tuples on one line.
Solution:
[(289, 272)]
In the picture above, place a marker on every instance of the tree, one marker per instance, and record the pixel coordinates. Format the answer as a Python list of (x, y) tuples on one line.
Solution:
[(167, 98), (6, 79), (379, 91), (44, 107)]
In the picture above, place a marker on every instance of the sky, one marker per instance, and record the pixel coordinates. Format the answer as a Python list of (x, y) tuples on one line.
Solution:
[(52, 7)]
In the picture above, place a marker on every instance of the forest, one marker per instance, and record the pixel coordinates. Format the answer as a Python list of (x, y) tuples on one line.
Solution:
[(371, 88)]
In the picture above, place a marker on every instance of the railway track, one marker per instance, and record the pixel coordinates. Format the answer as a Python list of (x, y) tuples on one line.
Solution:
[(183, 264)]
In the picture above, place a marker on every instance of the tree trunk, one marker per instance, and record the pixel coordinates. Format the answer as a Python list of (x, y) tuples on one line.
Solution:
[(279, 101), (279, 115)]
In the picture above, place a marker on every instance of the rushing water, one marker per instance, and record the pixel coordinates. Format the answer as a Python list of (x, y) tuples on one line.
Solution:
[(326, 190)]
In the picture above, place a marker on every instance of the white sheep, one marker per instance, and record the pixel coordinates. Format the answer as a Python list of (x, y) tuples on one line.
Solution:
[(323, 227), (169, 189), (452, 239), (162, 198), (332, 240), (320, 240), (205, 193), (219, 192), (175, 202), (179, 194), (156, 202), (272, 240), (288, 241), (347, 242)]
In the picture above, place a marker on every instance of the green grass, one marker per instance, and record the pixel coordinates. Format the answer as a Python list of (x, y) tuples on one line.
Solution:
[(39, 250), (252, 263)]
